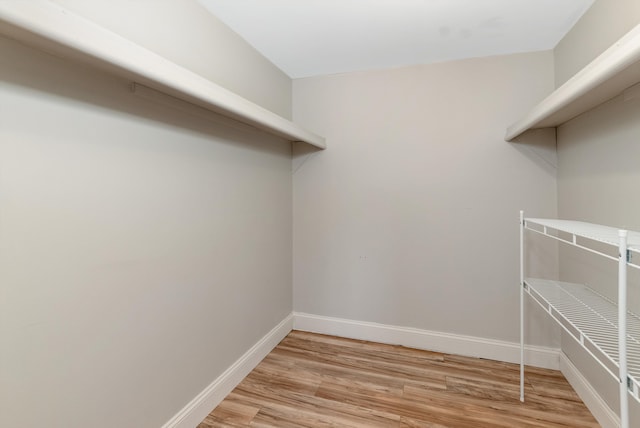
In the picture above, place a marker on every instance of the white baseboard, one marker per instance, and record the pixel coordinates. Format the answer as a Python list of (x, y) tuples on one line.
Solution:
[(429, 340), (606, 417), (198, 409), (195, 411)]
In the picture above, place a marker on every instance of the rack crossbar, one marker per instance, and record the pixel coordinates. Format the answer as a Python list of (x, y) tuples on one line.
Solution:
[(603, 234)]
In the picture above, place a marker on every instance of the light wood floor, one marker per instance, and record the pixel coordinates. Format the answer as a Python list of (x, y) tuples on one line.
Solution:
[(311, 380)]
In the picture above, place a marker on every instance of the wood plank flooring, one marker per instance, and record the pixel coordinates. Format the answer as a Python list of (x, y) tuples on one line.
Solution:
[(311, 380)]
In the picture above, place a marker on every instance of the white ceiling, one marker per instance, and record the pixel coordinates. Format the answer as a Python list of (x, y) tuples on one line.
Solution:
[(313, 37)]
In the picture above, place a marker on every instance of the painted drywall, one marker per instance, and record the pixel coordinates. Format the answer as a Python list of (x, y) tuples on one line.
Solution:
[(598, 172), (142, 250), (598, 179), (604, 23), (411, 218), (184, 32)]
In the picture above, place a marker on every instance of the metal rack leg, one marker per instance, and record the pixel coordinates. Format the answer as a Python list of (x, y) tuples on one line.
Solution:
[(622, 328), (522, 306)]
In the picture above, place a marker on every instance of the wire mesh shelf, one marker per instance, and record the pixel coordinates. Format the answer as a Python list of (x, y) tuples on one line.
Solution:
[(606, 330), (592, 320), (605, 234)]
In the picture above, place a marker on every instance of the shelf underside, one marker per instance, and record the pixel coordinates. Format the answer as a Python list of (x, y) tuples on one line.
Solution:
[(54, 29), (593, 321), (615, 70)]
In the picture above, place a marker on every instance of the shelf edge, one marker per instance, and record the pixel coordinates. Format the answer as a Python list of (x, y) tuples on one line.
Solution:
[(605, 67), (48, 26), (604, 234)]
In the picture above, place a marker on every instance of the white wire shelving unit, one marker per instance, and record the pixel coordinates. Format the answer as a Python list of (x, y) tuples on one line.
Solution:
[(606, 330)]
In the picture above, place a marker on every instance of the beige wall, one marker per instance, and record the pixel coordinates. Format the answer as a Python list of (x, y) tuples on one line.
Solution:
[(598, 176), (604, 23), (411, 217), (598, 180), (142, 250), (598, 172), (184, 32)]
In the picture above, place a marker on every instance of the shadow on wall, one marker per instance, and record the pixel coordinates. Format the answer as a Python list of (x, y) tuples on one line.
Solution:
[(539, 145), (301, 153), (602, 142)]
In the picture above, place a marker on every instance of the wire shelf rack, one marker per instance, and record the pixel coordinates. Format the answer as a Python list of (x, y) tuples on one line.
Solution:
[(592, 320), (604, 329), (578, 229)]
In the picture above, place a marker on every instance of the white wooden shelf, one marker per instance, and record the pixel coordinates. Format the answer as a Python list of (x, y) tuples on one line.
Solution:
[(615, 70), (50, 27), (593, 321)]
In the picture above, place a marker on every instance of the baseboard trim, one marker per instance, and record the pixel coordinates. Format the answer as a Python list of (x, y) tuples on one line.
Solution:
[(606, 417), (430, 340), (194, 412)]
